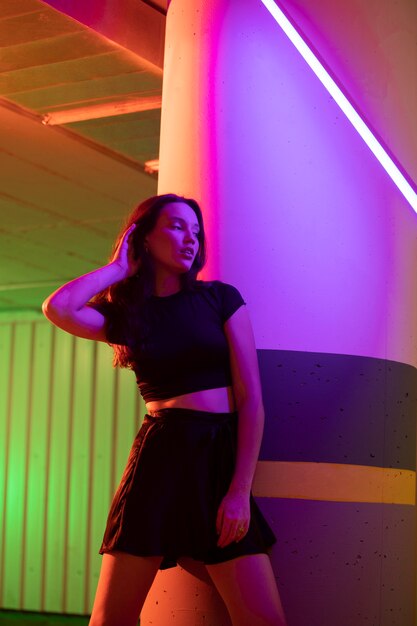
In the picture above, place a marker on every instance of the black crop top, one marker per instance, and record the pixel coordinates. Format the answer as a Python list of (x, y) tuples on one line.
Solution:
[(189, 350)]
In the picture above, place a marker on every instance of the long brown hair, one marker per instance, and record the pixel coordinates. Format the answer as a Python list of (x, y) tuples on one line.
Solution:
[(127, 297)]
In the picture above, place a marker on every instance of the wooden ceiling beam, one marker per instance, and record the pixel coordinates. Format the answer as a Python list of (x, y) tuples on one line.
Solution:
[(121, 107), (121, 21)]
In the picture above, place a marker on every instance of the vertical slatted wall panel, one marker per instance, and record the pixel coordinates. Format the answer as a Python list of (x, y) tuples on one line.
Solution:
[(58, 393), (16, 470), (37, 455), (6, 339), (67, 421)]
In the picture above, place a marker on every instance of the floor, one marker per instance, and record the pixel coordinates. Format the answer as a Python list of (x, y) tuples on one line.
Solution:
[(27, 618)]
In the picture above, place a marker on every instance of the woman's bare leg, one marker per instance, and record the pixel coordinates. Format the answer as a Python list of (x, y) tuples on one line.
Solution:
[(248, 588), (122, 588)]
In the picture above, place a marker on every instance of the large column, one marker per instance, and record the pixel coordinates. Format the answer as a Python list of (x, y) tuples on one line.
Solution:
[(303, 219)]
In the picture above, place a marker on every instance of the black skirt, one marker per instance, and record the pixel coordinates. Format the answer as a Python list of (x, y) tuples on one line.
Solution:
[(179, 469)]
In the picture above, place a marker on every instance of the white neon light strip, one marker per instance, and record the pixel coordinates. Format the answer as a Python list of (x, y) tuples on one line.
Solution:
[(374, 145)]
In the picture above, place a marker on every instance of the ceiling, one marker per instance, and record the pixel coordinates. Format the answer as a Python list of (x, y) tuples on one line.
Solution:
[(80, 107)]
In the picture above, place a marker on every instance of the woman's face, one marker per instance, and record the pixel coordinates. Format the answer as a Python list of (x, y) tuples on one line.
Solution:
[(175, 230)]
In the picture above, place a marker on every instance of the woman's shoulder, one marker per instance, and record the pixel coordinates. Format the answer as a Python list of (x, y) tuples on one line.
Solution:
[(215, 285), (223, 292), (211, 284)]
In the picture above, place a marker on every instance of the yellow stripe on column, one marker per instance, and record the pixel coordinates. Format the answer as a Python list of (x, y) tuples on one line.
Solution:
[(334, 482)]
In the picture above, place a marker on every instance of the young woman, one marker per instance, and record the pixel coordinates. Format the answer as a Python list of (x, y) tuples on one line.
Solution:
[(186, 489)]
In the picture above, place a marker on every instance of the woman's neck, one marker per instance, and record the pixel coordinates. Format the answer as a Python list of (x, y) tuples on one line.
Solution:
[(167, 285)]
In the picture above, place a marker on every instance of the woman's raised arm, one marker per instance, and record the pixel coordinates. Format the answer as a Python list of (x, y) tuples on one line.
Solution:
[(66, 307)]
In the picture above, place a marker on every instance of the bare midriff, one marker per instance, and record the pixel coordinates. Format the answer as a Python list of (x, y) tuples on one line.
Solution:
[(219, 400)]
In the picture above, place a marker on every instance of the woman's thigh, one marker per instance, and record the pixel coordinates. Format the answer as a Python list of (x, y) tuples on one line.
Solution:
[(122, 588), (248, 588)]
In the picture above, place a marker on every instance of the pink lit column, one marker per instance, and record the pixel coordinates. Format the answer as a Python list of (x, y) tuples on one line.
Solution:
[(303, 219)]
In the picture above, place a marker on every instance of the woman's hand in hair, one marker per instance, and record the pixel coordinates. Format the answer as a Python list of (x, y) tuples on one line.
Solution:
[(123, 255)]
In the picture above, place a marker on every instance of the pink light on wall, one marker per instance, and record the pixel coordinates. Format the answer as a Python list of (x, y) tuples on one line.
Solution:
[(346, 106)]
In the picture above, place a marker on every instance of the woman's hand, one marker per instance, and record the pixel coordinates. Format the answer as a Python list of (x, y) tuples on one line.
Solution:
[(233, 514), (123, 255)]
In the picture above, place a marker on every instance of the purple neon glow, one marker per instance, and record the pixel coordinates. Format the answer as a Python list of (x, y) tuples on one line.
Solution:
[(347, 108)]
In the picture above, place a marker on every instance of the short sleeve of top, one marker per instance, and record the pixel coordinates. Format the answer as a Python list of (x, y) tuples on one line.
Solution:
[(230, 298), (113, 327)]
